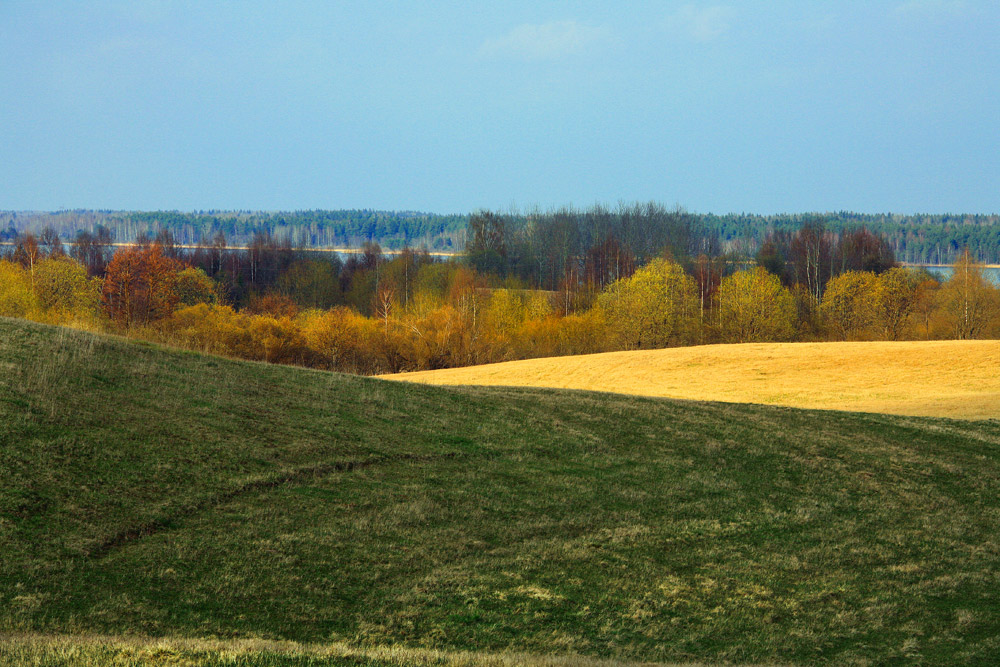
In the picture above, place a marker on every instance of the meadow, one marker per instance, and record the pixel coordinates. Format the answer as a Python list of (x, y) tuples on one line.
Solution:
[(166, 507), (949, 378)]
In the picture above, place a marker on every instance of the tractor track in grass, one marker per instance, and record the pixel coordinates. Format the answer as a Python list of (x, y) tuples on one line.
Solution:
[(156, 525)]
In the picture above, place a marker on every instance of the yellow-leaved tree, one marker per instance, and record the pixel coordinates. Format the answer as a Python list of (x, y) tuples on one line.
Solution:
[(17, 298), (342, 338), (438, 338), (656, 307), (194, 286), (65, 291), (505, 315), (849, 304), (208, 328), (753, 306), (895, 302), (970, 303)]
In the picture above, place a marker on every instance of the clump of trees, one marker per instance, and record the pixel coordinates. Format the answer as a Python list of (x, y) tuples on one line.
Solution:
[(39, 281), (901, 303)]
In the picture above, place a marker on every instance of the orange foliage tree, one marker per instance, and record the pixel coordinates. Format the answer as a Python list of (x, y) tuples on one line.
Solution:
[(140, 285)]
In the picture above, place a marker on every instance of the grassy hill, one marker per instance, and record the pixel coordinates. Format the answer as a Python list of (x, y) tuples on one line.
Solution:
[(165, 497), (948, 378)]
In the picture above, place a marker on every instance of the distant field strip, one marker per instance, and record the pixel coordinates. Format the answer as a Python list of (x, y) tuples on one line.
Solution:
[(959, 379)]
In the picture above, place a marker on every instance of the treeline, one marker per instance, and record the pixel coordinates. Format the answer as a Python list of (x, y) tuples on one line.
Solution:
[(373, 313), (915, 239), (315, 229)]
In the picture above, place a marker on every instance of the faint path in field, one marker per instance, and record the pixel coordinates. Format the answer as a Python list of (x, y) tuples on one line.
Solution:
[(159, 524)]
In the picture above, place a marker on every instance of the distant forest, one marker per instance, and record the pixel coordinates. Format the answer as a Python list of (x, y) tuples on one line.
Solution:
[(917, 239), (393, 230)]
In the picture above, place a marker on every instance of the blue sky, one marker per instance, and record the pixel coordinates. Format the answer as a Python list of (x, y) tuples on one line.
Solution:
[(720, 107)]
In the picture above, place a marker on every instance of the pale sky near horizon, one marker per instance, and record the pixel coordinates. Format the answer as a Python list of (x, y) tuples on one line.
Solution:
[(763, 107)]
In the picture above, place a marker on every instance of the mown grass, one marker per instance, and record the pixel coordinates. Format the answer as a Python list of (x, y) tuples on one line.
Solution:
[(940, 378), (157, 493)]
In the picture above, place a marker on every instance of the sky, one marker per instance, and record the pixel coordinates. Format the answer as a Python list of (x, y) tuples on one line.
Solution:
[(762, 107)]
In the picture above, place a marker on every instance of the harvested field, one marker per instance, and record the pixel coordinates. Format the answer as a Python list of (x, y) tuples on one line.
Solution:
[(959, 379)]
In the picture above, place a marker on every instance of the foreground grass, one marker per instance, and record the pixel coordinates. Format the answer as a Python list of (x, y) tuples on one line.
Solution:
[(150, 492), (948, 378)]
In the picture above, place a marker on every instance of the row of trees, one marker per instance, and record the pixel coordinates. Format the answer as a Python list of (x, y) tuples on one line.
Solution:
[(375, 314), (140, 285), (922, 238), (267, 266), (579, 253), (659, 306)]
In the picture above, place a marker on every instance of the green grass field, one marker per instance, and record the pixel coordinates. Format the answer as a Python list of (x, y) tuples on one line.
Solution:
[(161, 497)]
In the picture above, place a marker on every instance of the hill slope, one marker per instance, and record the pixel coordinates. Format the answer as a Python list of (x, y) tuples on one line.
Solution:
[(950, 378), (163, 493)]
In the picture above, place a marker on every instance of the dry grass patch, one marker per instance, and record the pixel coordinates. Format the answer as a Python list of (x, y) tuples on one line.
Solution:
[(103, 650), (958, 379)]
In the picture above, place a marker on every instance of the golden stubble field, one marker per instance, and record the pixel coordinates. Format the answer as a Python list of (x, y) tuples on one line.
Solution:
[(959, 379)]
